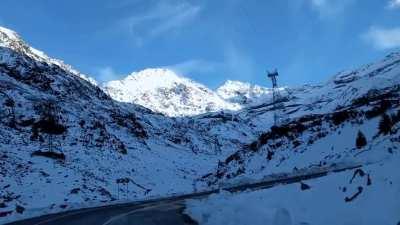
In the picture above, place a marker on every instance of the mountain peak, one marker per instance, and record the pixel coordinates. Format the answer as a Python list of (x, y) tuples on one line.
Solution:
[(152, 78), (11, 42), (234, 84), (10, 39), (164, 91), (160, 72), (9, 34)]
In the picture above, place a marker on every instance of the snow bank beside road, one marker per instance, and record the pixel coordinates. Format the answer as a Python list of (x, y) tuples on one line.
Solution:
[(329, 200)]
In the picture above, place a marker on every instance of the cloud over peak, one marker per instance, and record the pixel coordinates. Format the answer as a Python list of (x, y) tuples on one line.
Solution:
[(383, 38), (394, 4), (106, 74), (329, 8), (165, 17)]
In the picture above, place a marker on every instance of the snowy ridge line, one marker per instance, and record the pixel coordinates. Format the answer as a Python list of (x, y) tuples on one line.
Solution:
[(284, 179)]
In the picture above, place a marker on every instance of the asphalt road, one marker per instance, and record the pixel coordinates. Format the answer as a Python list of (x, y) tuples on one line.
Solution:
[(165, 211)]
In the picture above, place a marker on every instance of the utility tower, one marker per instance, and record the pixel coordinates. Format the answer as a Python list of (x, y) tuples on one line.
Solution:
[(276, 98)]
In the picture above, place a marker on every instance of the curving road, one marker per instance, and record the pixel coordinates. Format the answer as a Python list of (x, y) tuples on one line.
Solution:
[(166, 211)]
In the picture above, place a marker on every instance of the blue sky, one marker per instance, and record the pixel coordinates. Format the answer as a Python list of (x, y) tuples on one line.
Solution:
[(210, 41)]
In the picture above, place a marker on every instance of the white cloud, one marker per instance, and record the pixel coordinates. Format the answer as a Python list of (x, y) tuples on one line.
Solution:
[(319, 3), (106, 74), (383, 38), (194, 66), (165, 17), (237, 63), (393, 4), (329, 8)]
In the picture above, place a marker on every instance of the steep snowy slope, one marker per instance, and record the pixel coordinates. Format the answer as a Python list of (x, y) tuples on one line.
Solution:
[(362, 129), (161, 90), (340, 91), (10, 39), (63, 141), (323, 124)]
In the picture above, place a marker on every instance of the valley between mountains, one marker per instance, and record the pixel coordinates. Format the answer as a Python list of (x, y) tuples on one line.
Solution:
[(68, 142)]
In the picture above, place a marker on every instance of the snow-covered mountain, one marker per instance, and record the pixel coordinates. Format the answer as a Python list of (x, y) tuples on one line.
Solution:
[(10, 39), (244, 93), (324, 124), (163, 91), (64, 142)]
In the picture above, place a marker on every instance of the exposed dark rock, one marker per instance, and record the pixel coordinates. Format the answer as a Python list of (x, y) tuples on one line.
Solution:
[(369, 182), (19, 209), (361, 141), (75, 191), (359, 191), (358, 172), (49, 154), (385, 124), (304, 186), (5, 213), (270, 154)]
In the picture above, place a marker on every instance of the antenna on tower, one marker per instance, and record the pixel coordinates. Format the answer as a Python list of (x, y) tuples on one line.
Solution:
[(276, 97), (272, 75)]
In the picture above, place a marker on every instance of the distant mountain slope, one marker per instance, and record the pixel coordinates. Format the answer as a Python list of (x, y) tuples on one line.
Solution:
[(244, 93), (162, 90), (324, 124)]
